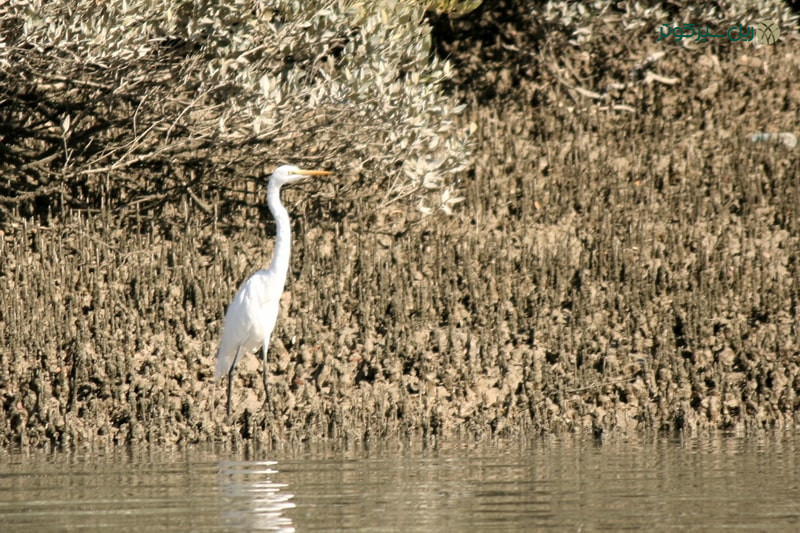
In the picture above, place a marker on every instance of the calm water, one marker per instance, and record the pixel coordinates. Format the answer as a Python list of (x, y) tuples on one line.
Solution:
[(720, 483)]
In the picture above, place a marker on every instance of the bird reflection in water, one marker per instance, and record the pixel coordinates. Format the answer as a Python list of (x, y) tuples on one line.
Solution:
[(251, 499)]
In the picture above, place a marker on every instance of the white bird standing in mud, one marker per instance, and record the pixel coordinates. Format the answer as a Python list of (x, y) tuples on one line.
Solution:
[(251, 316)]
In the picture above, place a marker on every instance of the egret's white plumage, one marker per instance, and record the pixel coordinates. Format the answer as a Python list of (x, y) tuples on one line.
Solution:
[(249, 320), (251, 317)]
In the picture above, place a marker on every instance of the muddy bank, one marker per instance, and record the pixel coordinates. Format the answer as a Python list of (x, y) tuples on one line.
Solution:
[(626, 260)]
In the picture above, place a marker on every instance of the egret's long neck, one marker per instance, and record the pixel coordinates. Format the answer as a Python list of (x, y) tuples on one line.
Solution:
[(283, 232)]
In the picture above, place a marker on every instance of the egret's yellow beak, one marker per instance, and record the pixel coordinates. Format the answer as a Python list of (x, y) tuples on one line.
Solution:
[(302, 172)]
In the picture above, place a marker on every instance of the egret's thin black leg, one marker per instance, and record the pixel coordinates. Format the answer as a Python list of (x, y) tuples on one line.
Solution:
[(230, 389), (266, 373), (230, 379)]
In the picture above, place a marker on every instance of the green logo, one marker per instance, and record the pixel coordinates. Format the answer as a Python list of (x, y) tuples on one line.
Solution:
[(768, 32)]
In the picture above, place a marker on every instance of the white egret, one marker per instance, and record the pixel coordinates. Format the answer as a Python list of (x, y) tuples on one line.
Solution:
[(251, 316)]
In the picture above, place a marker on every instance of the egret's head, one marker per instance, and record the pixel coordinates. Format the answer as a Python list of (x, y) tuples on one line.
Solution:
[(290, 173)]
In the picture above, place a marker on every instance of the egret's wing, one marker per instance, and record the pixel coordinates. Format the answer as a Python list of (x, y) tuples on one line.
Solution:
[(249, 319), (234, 332)]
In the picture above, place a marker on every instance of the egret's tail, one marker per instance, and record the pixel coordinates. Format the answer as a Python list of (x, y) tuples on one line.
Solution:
[(224, 362)]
